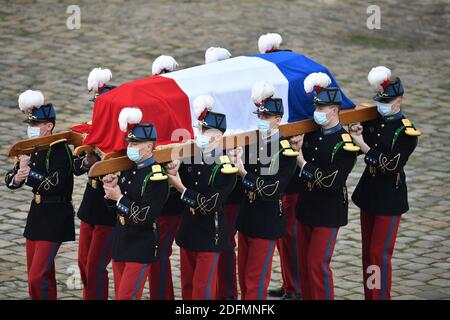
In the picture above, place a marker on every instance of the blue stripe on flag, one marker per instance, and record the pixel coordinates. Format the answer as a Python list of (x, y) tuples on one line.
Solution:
[(296, 67)]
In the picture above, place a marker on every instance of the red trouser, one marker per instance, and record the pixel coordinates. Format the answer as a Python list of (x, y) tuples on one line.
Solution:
[(129, 279), (227, 283), (287, 246), (255, 266), (160, 278), (316, 246), (198, 275), (378, 240), (94, 255), (41, 269)]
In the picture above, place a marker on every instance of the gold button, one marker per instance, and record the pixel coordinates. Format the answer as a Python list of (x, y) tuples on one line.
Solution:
[(382, 125), (256, 170), (320, 138), (261, 148), (257, 159), (198, 173), (125, 192), (35, 153), (315, 148), (196, 183), (313, 159), (376, 144), (134, 172), (34, 163), (129, 182)]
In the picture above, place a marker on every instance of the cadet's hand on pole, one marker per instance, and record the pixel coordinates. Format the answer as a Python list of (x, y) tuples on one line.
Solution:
[(356, 130), (297, 142), (172, 167), (21, 175), (110, 180), (24, 161), (236, 157), (89, 159)]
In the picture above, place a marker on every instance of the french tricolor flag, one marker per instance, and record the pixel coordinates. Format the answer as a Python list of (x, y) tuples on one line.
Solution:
[(167, 100)]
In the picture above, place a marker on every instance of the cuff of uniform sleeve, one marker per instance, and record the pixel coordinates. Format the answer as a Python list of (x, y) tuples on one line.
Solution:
[(249, 181), (372, 157), (34, 179), (307, 171), (189, 197), (124, 205)]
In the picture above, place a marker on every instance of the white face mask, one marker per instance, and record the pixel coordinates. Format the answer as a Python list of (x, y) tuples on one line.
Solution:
[(33, 132), (321, 118), (385, 109)]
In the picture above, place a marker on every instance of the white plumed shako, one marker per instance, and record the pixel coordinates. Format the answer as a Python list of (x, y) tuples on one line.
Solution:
[(269, 42), (30, 99), (316, 81), (129, 116), (379, 77), (261, 91), (163, 64), (215, 54), (98, 78), (202, 104)]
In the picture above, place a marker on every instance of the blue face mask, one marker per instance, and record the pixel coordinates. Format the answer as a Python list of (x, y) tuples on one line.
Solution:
[(385, 109), (133, 154), (263, 125), (33, 132), (321, 118), (202, 141)]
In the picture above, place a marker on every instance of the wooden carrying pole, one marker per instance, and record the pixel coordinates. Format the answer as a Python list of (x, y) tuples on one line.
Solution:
[(42, 143), (362, 113)]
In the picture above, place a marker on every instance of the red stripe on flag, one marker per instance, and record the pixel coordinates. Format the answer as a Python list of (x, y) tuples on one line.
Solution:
[(161, 101)]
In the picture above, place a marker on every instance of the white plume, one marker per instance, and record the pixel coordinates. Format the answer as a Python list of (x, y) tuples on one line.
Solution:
[(129, 116), (214, 54), (98, 77), (314, 79), (201, 103), (163, 63), (30, 99), (269, 41), (261, 91), (378, 75)]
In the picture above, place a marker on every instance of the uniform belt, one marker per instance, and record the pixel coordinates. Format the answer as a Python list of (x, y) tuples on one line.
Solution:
[(50, 199)]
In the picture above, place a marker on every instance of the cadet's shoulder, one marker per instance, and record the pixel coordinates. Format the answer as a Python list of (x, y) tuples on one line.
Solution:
[(225, 167), (157, 173), (346, 141), (409, 128), (286, 148), (58, 143)]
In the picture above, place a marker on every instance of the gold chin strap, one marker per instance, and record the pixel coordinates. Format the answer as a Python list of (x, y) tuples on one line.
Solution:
[(227, 167), (348, 143), (288, 151), (410, 130), (158, 175)]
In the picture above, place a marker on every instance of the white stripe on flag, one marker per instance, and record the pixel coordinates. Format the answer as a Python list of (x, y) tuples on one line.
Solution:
[(230, 83)]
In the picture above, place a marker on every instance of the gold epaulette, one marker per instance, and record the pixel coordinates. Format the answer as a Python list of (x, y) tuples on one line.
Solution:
[(348, 143), (227, 167), (288, 151), (57, 141), (158, 174), (410, 130)]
